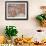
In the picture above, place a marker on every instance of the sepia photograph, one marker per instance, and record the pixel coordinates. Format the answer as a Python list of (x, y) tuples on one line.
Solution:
[(16, 10)]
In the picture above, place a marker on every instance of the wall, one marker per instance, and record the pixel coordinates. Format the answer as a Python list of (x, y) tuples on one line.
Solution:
[(25, 27)]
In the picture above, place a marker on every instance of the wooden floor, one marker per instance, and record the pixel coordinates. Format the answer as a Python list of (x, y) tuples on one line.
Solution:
[(31, 45)]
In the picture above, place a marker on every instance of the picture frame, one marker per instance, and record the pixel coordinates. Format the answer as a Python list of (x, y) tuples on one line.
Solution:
[(16, 10)]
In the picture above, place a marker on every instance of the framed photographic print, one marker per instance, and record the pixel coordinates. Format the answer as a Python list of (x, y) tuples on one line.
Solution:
[(16, 10)]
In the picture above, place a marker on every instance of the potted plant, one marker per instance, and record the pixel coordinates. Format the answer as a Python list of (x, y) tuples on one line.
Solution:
[(10, 31), (42, 19)]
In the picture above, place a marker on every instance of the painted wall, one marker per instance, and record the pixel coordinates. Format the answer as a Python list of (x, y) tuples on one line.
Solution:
[(25, 27)]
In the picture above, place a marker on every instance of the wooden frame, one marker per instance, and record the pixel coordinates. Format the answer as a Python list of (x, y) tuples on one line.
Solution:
[(9, 7)]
